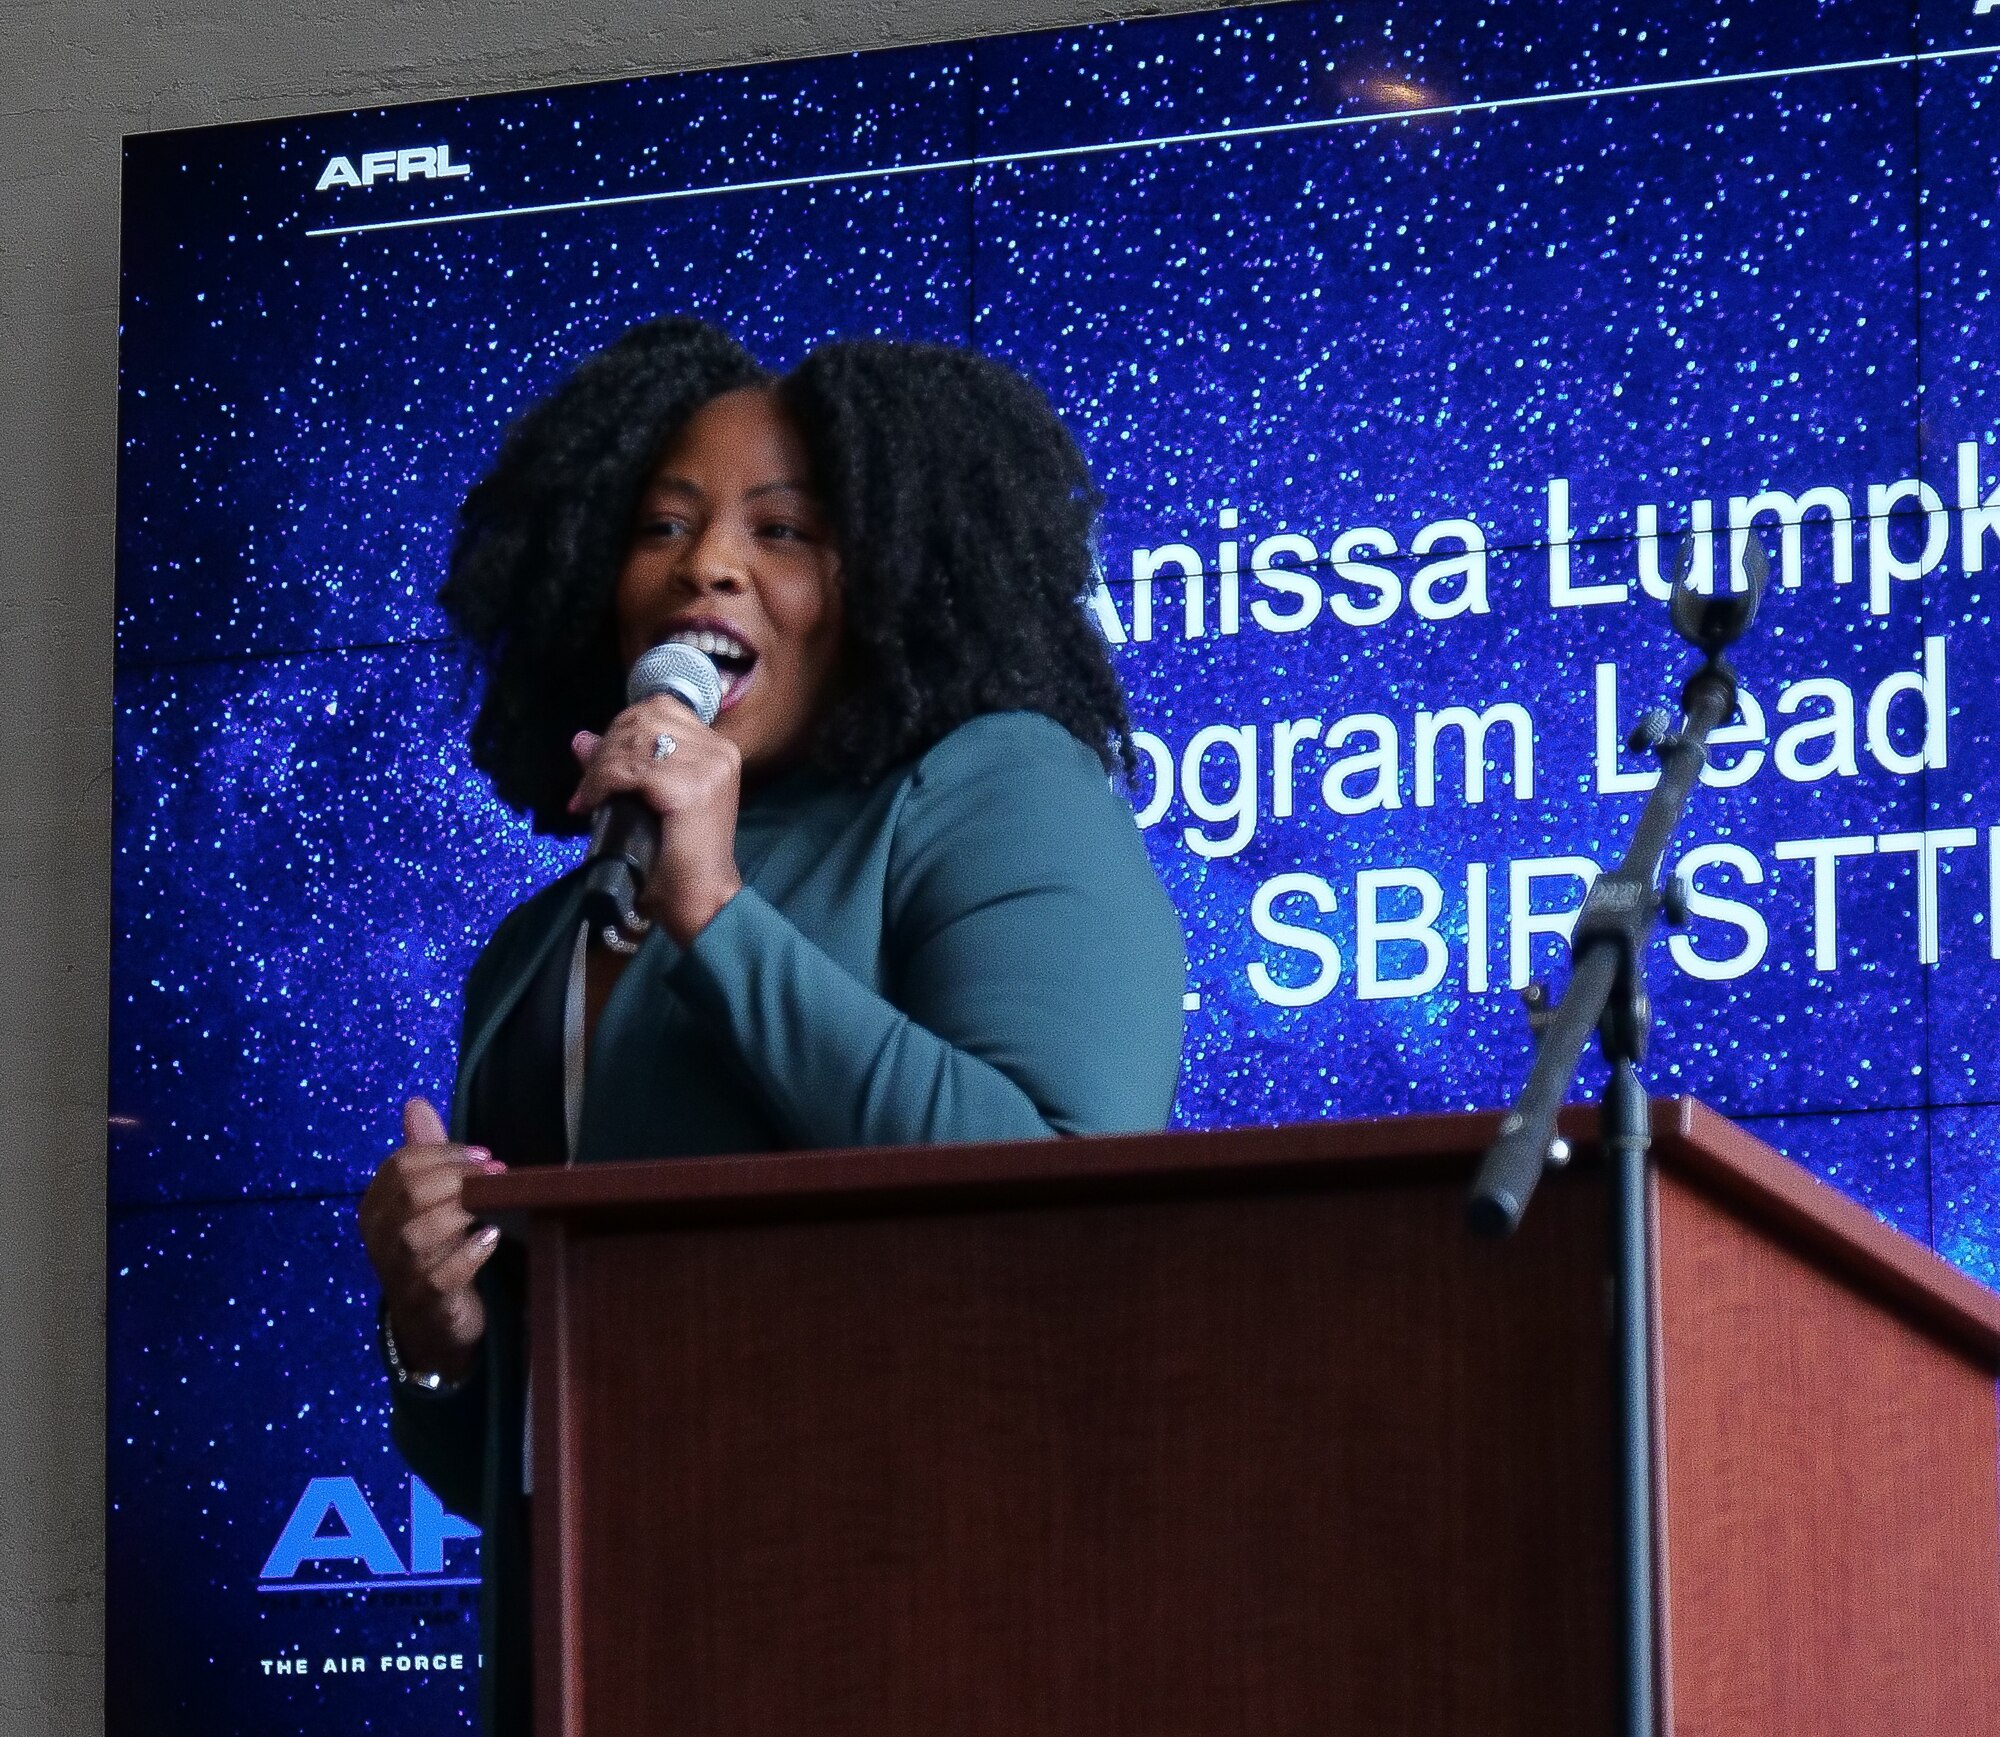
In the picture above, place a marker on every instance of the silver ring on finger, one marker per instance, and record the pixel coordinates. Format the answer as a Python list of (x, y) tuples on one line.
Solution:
[(663, 745)]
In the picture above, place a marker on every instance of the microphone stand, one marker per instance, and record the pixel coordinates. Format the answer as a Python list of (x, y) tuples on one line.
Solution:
[(1607, 991)]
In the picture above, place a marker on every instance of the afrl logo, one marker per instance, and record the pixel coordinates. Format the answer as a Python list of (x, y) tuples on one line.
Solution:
[(333, 1522), (416, 162)]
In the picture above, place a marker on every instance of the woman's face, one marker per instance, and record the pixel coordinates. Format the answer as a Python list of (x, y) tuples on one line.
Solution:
[(731, 553)]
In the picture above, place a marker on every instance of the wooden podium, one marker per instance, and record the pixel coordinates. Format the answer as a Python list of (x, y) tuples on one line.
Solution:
[(1241, 1433)]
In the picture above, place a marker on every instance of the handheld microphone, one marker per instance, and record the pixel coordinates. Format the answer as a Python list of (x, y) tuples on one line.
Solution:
[(625, 833)]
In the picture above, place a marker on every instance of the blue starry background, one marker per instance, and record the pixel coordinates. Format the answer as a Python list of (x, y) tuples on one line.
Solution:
[(1721, 273)]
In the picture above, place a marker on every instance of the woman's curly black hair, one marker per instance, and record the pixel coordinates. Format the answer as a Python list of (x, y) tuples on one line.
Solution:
[(961, 510)]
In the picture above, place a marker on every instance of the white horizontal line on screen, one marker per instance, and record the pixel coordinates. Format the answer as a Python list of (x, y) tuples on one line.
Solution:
[(408, 1583), (1220, 135)]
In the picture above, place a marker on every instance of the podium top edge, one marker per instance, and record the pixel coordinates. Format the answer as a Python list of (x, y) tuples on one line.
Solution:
[(1690, 1140), (1729, 1162), (1403, 1147)]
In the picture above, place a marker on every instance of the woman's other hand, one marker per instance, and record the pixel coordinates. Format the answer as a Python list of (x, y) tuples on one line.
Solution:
[(691, 777), (424, 1246)]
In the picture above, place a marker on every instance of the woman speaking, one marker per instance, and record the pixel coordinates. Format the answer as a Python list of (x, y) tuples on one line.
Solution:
[(895, 899)]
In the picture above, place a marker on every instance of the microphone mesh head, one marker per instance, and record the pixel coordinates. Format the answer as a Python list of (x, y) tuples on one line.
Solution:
[(689, 675)]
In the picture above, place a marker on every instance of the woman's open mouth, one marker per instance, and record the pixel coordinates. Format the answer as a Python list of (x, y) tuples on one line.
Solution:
[(732, 658)]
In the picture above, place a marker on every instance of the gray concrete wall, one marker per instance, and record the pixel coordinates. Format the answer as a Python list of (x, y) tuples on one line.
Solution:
[(76, 75)]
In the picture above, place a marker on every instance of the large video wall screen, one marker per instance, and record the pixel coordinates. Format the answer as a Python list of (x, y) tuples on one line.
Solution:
[(1408, 343)]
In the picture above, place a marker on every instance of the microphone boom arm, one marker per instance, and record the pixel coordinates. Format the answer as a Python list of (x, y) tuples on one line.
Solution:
[(1606, 991)]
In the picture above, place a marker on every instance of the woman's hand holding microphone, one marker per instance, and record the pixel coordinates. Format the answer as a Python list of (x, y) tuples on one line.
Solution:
[(691, 777)]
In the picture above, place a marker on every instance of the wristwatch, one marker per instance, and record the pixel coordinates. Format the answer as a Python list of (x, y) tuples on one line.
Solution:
[(424, 1381)]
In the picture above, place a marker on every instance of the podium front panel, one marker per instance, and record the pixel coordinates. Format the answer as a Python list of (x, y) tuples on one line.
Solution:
[(1296, 1460)]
